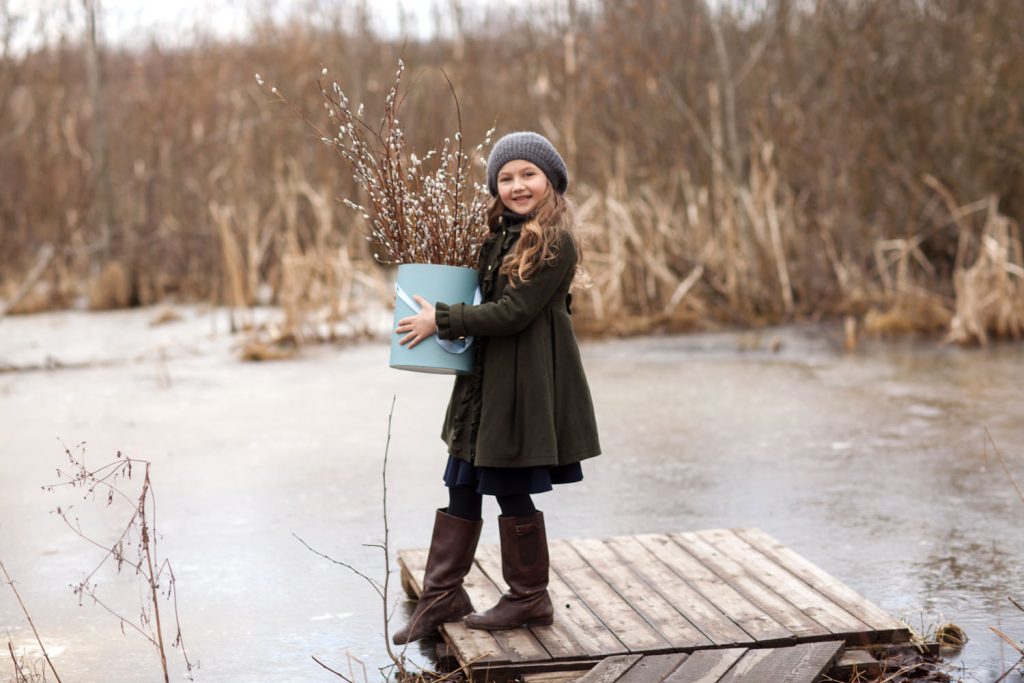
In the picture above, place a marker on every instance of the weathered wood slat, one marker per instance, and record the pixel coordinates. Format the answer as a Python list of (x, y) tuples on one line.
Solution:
[(798, 664), (886, 628), (744, 613), (561, 639), (693, 606), (706, 666), (736, 576), (853, 662), (415, 563), (814, 604), (653, 668), (628, 626), (610, 669), (553, 677), (669, 623)]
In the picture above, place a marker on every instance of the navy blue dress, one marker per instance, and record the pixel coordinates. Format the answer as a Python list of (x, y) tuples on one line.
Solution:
[(504, 481)]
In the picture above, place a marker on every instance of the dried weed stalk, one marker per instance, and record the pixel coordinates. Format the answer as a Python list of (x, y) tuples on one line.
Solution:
[(135, 548), (1017, 647), (24, 672), (421, 209), (400, 667)]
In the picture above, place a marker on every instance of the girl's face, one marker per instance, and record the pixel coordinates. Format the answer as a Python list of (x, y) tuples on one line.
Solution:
[(521, 186)]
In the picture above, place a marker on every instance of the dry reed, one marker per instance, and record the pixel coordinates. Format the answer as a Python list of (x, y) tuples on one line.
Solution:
[(738, 166)]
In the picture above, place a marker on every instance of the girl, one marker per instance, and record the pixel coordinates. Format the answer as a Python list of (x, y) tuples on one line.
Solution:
[(524, 419)]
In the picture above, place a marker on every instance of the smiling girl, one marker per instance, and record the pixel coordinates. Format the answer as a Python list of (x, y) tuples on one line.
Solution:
[(523, 420)]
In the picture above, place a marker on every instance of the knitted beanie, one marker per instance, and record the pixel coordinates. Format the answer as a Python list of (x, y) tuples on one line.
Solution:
[(532, 147)]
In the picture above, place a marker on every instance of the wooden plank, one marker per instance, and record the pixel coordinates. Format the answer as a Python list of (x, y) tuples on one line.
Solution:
[(802, 663), (562, 639), (653, 668), (414, 562), (628, 626), (657, 611), (706, 666), (887, 629), (853, 663), (553, 677), (734, 574), (744, 613), (514, 671), (812, 603), (466, 644), (588, 630), (704, 615), (610, 669)]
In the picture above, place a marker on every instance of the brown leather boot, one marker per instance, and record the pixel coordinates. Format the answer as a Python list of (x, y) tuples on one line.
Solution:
[(450, 558), (524, 564)]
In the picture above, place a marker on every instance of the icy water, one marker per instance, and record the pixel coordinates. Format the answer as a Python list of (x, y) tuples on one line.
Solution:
[(871, 464)]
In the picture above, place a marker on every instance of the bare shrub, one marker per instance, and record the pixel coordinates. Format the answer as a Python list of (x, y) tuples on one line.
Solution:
[(761, 155), (136, 548)]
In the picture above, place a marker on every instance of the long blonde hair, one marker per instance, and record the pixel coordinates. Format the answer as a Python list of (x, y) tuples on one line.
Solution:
[(540, 236)]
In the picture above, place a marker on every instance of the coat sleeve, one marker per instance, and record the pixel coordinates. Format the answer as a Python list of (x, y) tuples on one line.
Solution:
[(517, 307)]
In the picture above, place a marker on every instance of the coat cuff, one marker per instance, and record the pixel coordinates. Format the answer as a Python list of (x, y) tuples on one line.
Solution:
[(449, 321)]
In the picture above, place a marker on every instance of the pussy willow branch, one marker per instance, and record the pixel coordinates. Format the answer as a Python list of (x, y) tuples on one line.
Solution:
[(457, 192)]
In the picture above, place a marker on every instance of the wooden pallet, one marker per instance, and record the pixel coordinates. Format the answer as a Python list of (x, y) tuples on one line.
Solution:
[(719, 590)]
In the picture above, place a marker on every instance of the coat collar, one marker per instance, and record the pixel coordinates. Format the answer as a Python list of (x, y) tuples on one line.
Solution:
[(512, 221)]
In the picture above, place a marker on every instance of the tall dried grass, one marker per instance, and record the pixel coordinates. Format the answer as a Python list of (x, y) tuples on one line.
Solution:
[(736, 166)]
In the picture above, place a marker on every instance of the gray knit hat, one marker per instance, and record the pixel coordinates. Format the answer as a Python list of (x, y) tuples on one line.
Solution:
[(532, 147)]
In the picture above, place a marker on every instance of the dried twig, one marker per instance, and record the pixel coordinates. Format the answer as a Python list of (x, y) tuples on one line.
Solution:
[(140, 531), (10, 582), (1002, 462)]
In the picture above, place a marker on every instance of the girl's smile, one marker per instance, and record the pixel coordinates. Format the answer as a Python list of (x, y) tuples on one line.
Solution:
[(521, 186)]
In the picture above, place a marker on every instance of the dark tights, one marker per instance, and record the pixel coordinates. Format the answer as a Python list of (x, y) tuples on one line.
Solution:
[(465, 502)]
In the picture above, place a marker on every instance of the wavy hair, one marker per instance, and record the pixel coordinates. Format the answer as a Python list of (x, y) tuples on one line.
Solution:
[(554, 216)]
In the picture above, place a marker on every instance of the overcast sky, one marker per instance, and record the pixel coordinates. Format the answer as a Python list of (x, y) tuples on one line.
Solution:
[(136, 22), (172, 22)]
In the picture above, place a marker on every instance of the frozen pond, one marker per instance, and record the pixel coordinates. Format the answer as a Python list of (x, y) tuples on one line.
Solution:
[(872, 464)]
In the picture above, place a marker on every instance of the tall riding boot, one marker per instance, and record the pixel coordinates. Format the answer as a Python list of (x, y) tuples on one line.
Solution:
[(524, 564), (450, 558)]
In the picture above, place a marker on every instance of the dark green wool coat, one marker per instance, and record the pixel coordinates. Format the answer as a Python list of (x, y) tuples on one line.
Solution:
[(528, 402)]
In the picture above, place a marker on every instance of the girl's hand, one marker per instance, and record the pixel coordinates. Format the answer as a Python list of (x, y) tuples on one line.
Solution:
[(419, 326)]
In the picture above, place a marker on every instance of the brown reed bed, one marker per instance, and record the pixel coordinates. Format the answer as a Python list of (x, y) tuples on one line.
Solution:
[(857, 159)]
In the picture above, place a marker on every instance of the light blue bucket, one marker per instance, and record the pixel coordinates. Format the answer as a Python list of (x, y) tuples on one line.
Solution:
[(450, 284)]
